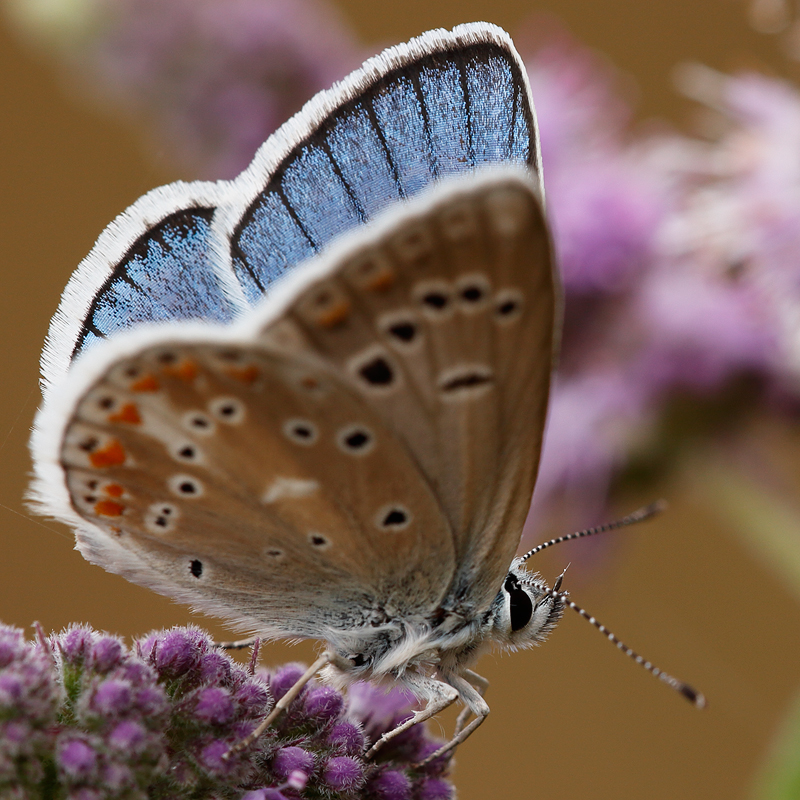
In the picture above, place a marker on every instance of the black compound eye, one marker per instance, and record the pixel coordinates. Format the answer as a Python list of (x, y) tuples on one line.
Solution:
[(520, 607)]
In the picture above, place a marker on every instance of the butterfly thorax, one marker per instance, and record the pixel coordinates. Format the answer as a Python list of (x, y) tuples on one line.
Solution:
[(450, 639)]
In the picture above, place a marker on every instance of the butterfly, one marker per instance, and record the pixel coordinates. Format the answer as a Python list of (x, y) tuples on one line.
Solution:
[(311, 400)]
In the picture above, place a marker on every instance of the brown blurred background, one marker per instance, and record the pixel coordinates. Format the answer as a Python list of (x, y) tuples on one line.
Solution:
[(572, 720)]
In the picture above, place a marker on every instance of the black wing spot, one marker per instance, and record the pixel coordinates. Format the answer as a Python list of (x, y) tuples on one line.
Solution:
[(167, 357), (186, 486), (196, 568), (90, 444), (466, 382), (377, 372), (319, 541), (435, 300), (404, 331), (355, 440), (187, 452), (393, 518), (472, 294), (508, 305), (465, 378), (106, 402), (300, 431)]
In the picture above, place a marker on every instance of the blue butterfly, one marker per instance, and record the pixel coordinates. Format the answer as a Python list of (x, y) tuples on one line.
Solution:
[(311, 400)]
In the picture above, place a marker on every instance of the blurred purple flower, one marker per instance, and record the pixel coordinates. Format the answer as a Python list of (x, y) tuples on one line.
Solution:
[(79, 713), (215, 77)]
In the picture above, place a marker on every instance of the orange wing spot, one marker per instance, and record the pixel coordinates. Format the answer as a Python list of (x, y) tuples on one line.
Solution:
[(243, 374), (108, 508), (147, 383), (187, 370), (128, 413), (114, 490), (382, 281), (335, 315), (110, 456)]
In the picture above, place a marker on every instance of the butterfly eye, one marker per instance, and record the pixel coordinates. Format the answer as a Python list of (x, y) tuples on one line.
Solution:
[(520, 606), (196, 568)]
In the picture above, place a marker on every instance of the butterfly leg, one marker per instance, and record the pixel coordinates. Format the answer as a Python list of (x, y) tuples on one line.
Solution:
[(440, 696), (476, 705), (481, 684), (239, 644), (283, 703)]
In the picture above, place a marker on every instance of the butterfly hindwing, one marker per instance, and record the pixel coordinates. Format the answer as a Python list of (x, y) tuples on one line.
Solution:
[(444, 325)]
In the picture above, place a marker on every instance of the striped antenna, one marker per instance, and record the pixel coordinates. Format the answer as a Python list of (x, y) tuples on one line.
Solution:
[(637, 516), (697, 699)]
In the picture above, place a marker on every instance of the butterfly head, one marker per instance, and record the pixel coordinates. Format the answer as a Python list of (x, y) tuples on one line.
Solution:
[(524, 611)]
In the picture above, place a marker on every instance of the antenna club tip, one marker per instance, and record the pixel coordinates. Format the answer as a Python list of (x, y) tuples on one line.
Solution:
[(697, 699)]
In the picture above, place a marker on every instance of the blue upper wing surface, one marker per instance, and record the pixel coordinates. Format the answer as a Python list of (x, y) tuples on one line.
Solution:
[(440, 105), (443, 113), (164, 275)]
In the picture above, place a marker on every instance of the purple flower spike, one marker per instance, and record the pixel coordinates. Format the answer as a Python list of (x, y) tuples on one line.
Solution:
[(212, 756), (86, 794), (435, 789), (347, 737), (343, 774), (112, 697), (77, 759), (214, 705), (285, 678), (12, 645), (215, 668), (105, 654), (323, 703), (128, 736), (175, 653), (291, 759), (132, 729), (75, 643), (253, 698), (391, 785)]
